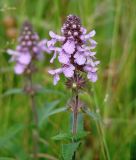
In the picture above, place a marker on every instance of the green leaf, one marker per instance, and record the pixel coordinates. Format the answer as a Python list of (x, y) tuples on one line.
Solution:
[(50, 91), (12, 92), (9, 141), (62, 136), (80, 135), (10, 134), (69, 136), (46, 111), (17, 150), (58, 110), (68, 150), (92, 115)]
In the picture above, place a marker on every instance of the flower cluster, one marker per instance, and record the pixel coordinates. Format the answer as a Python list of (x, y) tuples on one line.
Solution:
[(75, 53), (28, 49)]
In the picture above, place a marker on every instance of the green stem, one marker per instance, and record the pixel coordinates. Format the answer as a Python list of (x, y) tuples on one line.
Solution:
[(35, 134), (75, 116), (75, 113)]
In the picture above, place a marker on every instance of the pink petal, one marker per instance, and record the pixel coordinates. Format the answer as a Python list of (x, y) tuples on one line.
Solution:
[(19, 68), (90, 62), (55, 36), (93, 43), (92, 77), (52, 34), (69, 47), (80, 49), (92, 33), (89, 53), (90, 68), (54, 56), (97, 62), (80, 59), (24, 58), (56, 71), (56, 79), (43, 46), (68, 70), (52, 72), (51, 42), (63, 58), (83, 30), (12, 52)]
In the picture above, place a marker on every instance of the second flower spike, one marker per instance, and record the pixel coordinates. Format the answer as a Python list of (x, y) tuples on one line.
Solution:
[(28, 50)]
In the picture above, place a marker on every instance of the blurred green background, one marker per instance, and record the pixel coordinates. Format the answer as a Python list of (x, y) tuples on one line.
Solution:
[(112, 97)]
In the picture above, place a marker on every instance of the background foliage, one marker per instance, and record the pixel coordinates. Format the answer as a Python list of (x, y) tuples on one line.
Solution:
[(112, 98)]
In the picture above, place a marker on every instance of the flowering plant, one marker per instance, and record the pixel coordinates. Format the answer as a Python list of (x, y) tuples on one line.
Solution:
[(75, 54), (28, 50), (76, 57)]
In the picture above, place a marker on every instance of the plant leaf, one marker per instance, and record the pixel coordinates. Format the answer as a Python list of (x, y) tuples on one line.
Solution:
[(92, 115), (10, 134), (46, 111), (68, 150), (62, 136), (80, 135), (69, 136), (12, 92), (50, 91), (58, 110)]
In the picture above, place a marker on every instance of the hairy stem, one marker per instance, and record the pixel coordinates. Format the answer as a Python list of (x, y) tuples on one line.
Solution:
[(75, 114), (75, 118), (35, 134)]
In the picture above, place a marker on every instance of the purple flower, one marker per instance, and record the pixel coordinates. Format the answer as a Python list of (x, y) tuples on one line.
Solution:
[(69, 46), (19, 68), (64, 58), (80, 59), (68, 70), (56, 73), (29, 48), (75, 53)]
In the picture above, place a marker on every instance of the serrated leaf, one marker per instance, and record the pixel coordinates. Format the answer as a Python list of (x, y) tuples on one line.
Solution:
[(68, 150), (80, 135), (70, 136), (62, 136)]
